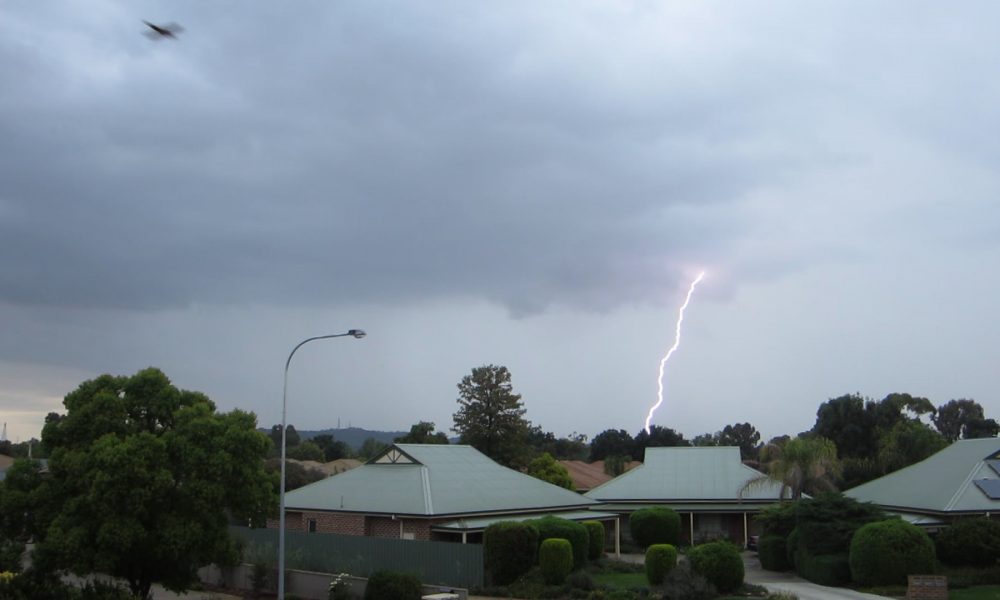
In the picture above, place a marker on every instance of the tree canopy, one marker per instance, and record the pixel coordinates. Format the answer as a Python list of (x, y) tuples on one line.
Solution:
[(423, 433), (963, 418), (547, 468), (143, 479), (490, 417), (801, 465)]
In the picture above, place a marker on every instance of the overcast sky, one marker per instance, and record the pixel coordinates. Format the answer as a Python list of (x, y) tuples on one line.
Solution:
[(530, 184)]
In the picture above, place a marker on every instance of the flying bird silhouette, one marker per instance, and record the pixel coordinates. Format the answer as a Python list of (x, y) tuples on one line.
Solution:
[(158, 32)]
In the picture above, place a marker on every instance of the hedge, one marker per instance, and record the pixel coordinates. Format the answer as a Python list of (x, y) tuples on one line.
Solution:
[(554, 527), (509, 550), (555, 558), (720, 563), (657, 525), (392, 585), (772, 553), (884, 553), (824, 569), (969, 542), (595, 531), (660, 559)]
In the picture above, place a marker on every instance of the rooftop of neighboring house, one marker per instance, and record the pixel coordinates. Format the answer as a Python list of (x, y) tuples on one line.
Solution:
[(586, 476)]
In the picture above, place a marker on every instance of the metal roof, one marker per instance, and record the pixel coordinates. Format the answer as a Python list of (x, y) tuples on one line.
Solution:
[(433, 480), (477, 524), (691, 474), (945, 482)]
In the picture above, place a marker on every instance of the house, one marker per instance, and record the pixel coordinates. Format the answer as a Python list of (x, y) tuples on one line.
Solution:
[(586, 476), (704, 484), (960, 480), (432, 492)]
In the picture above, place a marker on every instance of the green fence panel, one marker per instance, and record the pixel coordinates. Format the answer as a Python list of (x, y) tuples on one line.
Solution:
[(436, 563)]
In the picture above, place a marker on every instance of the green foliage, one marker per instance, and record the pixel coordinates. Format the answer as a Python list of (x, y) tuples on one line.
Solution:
[(801, 465), (777, 519), (370, 448), (595, 532), (143, 479), (546, 468), (743, 435), (611, 442), (20, 518), (720, 563), (660, 559), (307, 450), (824, 569), (972, 542), (555, 557), (791, 548), (332, 449), (554, 527), (657, 437), (958, 418), (423, 433), (35, 585), (908, 442), (392, 585), (773, 553), (616, 464), (884, 553), (656, 525), (296, 475), (826, 523), (490, 417), (509, 550)]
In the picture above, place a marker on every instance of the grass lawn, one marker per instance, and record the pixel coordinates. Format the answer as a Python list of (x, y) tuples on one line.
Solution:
[(979, 592), (625, 581)]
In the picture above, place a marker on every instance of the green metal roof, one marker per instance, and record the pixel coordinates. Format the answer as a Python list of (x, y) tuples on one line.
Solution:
[(477, 524), (942, 483), (688, 474), (433, 480)]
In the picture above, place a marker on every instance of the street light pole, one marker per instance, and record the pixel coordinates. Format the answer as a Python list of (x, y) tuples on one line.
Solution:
[(355, 333)]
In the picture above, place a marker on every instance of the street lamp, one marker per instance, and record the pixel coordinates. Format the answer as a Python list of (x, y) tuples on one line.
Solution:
[(355, 333)]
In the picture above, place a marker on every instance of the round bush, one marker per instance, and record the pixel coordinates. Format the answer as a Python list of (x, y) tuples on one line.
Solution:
[(392, 585), (970, 542), (720, 563), (660, 559), (555, 557), (656, 525), (773, 553), (595, 531), (554, 527), (509, 550), (885, 552)]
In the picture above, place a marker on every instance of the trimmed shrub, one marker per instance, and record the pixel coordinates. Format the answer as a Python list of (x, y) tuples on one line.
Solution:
[(884, 553), (595, 529), (555, 557), (824, 569), (392, 585), (777, 519), (554, 527), (660, 559), (791, 547), (720, 563), (827, 522), (658, 525), (509, 550), (969, 542), (773, 553)]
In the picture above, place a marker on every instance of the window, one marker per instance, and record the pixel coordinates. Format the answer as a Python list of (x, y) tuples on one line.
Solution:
[(312, 525)]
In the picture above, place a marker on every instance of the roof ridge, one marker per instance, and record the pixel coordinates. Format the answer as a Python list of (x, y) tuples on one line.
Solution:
[(965, 484), (428, 498)]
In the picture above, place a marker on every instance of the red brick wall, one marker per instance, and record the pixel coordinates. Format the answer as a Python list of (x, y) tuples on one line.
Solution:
[(354, 524)]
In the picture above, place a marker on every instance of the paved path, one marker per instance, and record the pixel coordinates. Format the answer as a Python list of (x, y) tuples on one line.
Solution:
[(793, 584)]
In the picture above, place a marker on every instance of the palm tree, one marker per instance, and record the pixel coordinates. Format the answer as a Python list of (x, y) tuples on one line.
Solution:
[(802, 465)]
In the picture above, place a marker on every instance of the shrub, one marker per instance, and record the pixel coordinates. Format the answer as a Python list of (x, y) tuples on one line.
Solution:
[(509, 550), (392, 585), (773, 553), (720, 563), (884, 553), (682, 584), (791, 547), (970, 542), (777, 519), (660, 559), (827, 522), (824, 569), (555, 557), (554, 527), (656, 525), (595, 531)]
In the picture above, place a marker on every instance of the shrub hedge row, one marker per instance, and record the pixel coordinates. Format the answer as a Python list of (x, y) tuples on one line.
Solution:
[(657, 525), (509, 551), (554, 527)]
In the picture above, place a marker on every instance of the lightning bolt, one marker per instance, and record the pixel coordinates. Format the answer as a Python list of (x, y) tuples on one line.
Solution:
[(677, 342)]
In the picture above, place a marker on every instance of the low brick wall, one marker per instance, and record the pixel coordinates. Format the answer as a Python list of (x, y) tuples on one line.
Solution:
[(927, 587)]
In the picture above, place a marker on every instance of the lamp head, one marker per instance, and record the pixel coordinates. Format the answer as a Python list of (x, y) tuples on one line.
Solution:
[(357, 333)]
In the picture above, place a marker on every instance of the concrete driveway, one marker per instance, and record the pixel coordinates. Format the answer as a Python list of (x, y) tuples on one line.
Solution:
[(793, 584)]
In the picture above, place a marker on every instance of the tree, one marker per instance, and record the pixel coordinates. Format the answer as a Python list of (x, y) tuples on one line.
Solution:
[(423, 433), (657, 437), (803, 464), (19, 505), (370, 447), (611, 442), (490, 417), (705, 439), (144, 478), (296, 475), (546, 468), (844, 421), (962, 418), (332, 449), (292, 438), (743, 435), (307, 450), (907, 443)]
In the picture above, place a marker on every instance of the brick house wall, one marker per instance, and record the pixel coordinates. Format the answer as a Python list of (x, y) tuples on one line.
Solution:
[(355, 524)]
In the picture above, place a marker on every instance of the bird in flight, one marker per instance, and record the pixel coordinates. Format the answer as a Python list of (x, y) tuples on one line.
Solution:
[(158, 32)]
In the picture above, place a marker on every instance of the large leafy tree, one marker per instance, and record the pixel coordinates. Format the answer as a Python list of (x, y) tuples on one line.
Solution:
[(963, 418), (144, 478), (743, 435), (423, 433), (802, 465), (908, 442), (657, 436), (490, 417), (20, 493), (333, 449), (611, 442), (547, 468)]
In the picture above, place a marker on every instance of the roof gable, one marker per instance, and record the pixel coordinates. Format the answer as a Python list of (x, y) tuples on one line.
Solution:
[(688, 474)]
